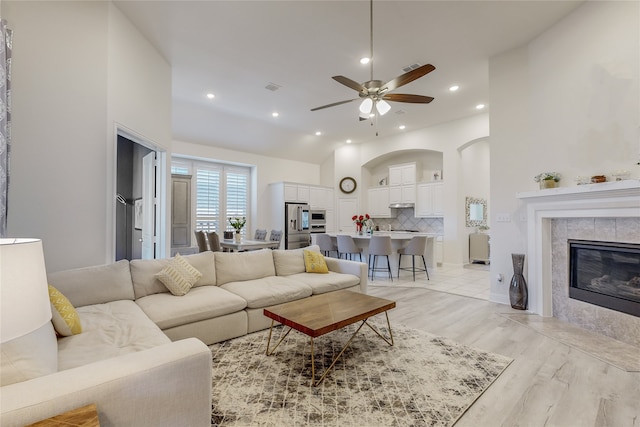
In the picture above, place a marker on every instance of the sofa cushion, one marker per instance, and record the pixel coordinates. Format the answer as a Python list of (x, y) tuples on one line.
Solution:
[(143, 273), (291, 261), (65, 318), (178, 276), (321, 283), (205, 302), (268, 291), (314, 262), (30, 356), (109, 330), (95, 285), (240, 266)]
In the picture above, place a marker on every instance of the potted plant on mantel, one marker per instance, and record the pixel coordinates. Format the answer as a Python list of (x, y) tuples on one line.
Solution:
[(237, 223), (547, 179)]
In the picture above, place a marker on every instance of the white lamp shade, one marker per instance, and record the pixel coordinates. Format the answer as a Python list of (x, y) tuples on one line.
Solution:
[(366, 106), (383, 107), (24, 293)]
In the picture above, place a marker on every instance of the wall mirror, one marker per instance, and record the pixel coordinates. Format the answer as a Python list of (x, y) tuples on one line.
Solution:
[(476, 212)]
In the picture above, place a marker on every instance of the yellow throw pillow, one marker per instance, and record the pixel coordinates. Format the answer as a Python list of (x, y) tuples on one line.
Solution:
[(64, 315), (314, 262), (179, 276)]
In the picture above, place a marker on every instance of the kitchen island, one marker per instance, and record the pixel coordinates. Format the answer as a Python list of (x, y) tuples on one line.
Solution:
[(399, 239)]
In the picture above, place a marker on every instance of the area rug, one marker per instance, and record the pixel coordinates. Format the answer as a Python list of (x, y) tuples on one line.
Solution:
[(423, 380)]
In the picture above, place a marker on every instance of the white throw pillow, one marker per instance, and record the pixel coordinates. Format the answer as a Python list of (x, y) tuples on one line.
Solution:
[(179, 276)]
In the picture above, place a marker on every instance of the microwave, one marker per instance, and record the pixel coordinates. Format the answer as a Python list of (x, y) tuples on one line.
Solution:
[(318, 217)]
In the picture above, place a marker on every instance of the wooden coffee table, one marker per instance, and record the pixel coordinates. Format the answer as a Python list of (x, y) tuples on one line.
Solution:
[(321, 314)]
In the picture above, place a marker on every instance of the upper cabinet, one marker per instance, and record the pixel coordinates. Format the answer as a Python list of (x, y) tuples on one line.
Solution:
[(321, 197), (402, 183), (429, 200), (378, 202)]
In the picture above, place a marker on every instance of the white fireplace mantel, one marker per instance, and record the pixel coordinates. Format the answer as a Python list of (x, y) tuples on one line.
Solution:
[(604, 200)]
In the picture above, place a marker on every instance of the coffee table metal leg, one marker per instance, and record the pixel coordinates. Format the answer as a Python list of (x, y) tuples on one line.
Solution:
[(387, 340), (270, 351)]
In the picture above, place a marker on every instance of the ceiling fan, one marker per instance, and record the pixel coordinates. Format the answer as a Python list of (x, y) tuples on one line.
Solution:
[(375, 93)]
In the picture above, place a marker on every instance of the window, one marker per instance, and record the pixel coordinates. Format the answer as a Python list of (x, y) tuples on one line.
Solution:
[(220, 191)]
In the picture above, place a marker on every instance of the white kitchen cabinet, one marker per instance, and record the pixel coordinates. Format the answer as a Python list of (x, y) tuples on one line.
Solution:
[(296, 192), (321, 198), (429, 200), (439, 250), (402, 183), (402, 174), (378, 202), (330, 226)]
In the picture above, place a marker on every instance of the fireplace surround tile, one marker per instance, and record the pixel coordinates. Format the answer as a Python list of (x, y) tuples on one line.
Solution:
[(605, 229), (620, 326)]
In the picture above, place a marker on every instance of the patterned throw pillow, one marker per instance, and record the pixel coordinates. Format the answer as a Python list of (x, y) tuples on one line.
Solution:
[(314, 262), (179, 276), (64, 315)]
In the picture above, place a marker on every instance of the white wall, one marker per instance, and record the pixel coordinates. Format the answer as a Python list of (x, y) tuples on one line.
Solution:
[(445, 138), (267, 170), (567, 102), (62, 160)]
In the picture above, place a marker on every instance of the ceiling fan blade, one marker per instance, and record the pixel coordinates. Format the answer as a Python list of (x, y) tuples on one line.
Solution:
[(403, 97), (334, 104), (407, 77), (350, 83)]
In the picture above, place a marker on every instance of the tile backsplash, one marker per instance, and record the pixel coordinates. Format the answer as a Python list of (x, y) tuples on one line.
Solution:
[(406, 220)]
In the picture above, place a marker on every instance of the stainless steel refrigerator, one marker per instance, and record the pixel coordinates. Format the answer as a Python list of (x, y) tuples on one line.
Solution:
[(296, 225)]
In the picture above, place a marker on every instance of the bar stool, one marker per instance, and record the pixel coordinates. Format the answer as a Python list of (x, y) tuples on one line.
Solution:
[(326, 244), (416, 247), (379, 246), (347, 246)]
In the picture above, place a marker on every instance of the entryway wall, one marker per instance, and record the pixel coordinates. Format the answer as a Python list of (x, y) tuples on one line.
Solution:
[(128, 189)]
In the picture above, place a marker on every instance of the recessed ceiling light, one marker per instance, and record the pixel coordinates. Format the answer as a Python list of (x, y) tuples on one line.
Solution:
[(365, 60), (454, 88), (348, 141), (402, 127), (318, 133), (479, 106), (275, 114), (210, 96)]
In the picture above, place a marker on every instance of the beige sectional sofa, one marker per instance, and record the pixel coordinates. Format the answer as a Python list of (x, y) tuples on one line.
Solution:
[(141, 357)]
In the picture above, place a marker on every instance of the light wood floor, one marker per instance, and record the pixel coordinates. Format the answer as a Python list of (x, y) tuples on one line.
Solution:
[(548, 383)]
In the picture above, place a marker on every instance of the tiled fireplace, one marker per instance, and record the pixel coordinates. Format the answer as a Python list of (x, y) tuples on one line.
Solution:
[(607, 212)]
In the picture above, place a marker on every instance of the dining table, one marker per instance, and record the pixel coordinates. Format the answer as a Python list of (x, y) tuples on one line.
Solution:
[(399, 239), (248, 245)]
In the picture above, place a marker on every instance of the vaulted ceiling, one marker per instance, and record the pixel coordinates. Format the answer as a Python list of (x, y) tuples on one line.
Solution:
[(260, 57)]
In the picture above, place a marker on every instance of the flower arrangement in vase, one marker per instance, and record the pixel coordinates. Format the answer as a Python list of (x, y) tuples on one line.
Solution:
[(238, 223), (360, 220), (547, 179)]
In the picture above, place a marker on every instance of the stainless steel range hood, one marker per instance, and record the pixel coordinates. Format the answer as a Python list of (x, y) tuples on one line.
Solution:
[(401, 205)]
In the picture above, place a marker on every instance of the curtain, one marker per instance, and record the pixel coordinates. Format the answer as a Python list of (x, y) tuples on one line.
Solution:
[(5, 121)]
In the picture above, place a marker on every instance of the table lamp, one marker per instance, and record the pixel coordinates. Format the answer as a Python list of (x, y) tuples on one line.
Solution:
[(24, 294)]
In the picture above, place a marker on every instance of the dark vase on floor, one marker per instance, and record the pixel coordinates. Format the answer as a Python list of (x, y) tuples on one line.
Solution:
[(518, 294)]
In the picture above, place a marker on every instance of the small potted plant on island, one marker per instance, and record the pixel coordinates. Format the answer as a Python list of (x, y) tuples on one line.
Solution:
[(547, 179), (237, 223)]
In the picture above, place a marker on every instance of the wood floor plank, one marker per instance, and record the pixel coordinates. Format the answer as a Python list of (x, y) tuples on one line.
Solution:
[(549, 383)]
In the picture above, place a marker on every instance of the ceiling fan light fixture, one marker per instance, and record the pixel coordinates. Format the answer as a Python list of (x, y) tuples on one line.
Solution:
[(383, 107), (366, 106)]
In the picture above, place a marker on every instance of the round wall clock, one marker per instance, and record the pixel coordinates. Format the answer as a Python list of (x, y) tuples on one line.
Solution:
[(347, 185)]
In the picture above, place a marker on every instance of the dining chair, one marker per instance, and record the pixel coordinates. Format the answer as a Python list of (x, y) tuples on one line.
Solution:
[(379, 246), (327, 244), (261, 234), (416, 247), (347, 246), (201, 239), (275, 236), (214, 241)]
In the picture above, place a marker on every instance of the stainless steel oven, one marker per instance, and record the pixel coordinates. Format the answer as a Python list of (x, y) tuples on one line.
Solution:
[(318, 220)]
